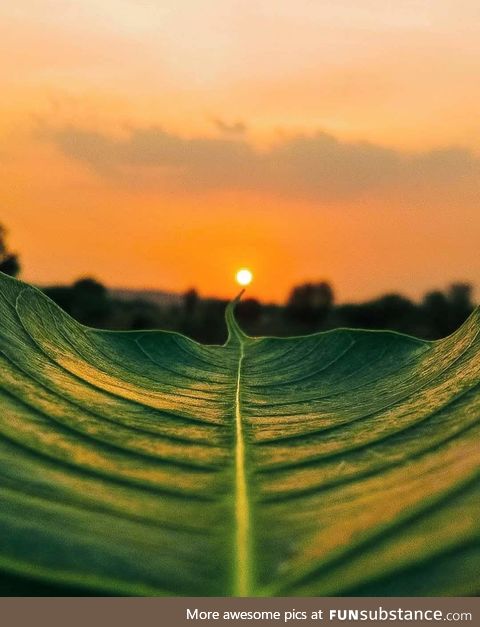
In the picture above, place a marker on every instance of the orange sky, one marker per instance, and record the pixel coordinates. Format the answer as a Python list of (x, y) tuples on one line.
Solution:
[(164, 145)]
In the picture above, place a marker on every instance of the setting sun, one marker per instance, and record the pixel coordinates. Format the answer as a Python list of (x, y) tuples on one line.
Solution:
[(244, 276)]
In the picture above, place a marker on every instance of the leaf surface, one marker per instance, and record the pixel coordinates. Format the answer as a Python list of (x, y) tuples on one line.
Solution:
[(144, 463)]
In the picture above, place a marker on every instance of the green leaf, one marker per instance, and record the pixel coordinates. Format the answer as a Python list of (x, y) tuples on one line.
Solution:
[(143, 463)]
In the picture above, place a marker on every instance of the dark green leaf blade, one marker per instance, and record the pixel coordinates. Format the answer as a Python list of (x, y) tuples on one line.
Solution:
[(144, 463)]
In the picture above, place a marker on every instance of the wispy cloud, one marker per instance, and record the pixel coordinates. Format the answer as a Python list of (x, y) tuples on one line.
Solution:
[(317, 166), (230, 128)]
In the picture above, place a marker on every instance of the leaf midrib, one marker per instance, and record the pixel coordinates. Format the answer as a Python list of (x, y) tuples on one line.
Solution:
[(242, 583)]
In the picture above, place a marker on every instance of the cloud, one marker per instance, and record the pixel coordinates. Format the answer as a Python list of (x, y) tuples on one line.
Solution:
[(234, 128), (317, 166)]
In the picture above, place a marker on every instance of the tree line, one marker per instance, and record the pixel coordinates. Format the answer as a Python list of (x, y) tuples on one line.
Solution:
[(310, 307)]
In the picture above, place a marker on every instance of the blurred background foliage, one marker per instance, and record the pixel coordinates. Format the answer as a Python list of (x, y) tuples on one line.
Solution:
[(310, 307)]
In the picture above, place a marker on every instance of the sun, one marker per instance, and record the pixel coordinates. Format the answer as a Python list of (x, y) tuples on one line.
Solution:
[(244, 276)]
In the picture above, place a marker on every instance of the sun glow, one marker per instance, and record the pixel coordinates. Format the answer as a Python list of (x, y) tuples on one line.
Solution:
[(244, 276)]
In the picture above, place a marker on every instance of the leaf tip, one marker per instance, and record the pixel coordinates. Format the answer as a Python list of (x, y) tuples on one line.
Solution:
[(234, 330)]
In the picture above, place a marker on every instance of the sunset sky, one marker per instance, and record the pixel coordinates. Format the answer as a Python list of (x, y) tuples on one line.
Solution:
[(165, 144)]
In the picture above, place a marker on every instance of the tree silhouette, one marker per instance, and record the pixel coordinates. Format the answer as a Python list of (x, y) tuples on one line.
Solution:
[(446, 311), (190, 301), (86, 300), (249, 311), (9, 262), (460, 296), (310, 303)]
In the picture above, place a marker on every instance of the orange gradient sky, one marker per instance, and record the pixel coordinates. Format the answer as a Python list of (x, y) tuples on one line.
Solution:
[(167, 144)]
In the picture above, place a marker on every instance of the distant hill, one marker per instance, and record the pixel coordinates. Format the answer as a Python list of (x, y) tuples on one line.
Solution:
[(157, 297)]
